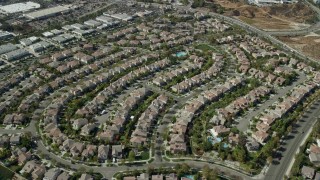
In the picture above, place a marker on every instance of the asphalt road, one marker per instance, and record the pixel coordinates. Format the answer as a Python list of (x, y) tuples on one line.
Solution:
[(245, 120), (277, 171), (315, 27)]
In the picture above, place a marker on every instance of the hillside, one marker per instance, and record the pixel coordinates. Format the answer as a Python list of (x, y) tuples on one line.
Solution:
[(285, 16)]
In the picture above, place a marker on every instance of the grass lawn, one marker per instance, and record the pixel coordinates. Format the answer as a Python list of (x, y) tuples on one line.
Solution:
[(15, 168), (204, 47), (5, 173)]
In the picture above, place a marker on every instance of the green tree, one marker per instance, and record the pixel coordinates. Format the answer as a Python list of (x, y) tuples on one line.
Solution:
[(206, 171), (213, 174), (239, 154)]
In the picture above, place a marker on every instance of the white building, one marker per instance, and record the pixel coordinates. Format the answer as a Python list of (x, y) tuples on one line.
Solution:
[(48, 12), (120, 16), (19, 7)]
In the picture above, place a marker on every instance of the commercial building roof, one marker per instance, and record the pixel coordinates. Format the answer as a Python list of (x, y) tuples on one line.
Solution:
[(104, 19), (47, 34), (121, 16), (42, 45), (83, 32), (68, 28), (28, 41), (92, 23), (79, 26), (7, 48), (17, 54), (63, 38), (48, 12), (5, 35), (19, 7), (56, 31)]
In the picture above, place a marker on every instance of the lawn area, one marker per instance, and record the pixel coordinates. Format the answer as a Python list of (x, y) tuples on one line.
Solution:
[(204, 47), (5, 173)]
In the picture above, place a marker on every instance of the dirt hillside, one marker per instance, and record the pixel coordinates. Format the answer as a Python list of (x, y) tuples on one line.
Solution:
[(282, 16)]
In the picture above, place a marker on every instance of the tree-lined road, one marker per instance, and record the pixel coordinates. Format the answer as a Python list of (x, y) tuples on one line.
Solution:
[(304, 127)]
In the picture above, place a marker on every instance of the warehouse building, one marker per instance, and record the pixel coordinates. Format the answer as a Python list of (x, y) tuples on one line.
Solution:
[(28, 41), (16, 54), (19, 7), (4, 35), (104, 19), (63, 38), (40, 46), (92, 23), (120, 16), (268, 2), (108, 22), (79, 26), (68, 28), (81, 32), (48, 12), (7, 48)]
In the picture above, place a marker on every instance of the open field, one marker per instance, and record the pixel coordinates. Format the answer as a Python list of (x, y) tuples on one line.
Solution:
[(309, 44), (292, 16)]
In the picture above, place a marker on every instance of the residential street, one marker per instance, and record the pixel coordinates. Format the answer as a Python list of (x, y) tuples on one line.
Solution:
[(277, 171), (244, 121)]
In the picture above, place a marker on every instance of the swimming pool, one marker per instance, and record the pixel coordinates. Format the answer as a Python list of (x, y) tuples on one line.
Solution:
[(213, 140), (189, 176), (181, 54)]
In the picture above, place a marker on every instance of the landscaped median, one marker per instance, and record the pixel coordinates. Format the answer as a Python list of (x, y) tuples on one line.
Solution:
[(178, 170)]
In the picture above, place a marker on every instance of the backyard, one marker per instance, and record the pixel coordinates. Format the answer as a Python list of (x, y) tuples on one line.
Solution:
[(5, 173)]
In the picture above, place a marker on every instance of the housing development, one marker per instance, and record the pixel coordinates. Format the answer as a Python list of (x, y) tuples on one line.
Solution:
[(152, 90)]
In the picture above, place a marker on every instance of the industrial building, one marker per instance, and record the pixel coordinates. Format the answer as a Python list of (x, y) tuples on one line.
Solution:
[(79, 26), (4, 35), (52, 33), (40, 46), (28, 41), (68, 28), (48, 12), (92, 23), (120, 16), (16, 54), (144, 13), (104, 19), (19, 7), (267, 2), (7, 48), (107, 22), (63, 38), (81, 32)]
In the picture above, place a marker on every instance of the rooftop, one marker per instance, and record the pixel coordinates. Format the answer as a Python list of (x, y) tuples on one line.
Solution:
[(47, 12), (19, 7)]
